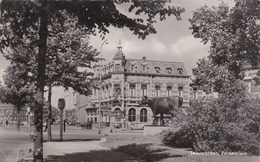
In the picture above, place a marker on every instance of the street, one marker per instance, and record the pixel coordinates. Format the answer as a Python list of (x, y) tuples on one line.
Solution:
[(12, 141)]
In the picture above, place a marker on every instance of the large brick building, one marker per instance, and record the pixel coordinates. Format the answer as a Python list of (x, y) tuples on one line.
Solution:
[(9, 113), (125, 81)]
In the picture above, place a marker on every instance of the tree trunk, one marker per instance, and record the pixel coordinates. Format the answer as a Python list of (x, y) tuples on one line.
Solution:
[(50, 113), (38, 143), (18, 115)]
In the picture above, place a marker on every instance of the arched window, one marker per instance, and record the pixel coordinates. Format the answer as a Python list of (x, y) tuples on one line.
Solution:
[(132, 90), (180, 90), (169, 91), (132, 115), (143, 115), (157, 91), (144, 90)]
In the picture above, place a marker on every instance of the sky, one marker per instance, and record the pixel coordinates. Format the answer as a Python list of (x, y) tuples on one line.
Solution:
[(172, 42)]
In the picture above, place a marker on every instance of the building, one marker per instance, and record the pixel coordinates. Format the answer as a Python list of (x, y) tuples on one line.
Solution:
[(9, 113), (249, 79), (125, 81)]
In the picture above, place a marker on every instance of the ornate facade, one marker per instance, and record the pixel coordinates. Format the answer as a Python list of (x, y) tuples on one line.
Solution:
[(125, 81)]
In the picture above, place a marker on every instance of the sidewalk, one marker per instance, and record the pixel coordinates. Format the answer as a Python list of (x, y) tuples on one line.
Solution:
[(61, 148), (74, 140)]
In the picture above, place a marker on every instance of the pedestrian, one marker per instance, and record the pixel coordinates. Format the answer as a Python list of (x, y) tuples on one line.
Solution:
[(6, 122), (46, 126), (64, 123)]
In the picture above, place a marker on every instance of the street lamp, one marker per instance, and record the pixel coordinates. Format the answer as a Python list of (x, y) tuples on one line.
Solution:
[(100, 80)]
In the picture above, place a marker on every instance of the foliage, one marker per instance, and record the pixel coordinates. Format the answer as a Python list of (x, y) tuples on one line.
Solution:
[(18, 89), (180, 138), (229, 125), (21, 17), (233, 34), (68, 50), (70, 116), (217, 78)]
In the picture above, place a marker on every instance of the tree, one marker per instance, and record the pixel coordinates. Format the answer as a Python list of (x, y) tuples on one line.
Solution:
[(68, 49), (234, 34), (70, 116), (18, 90), (217, 78), (21, 17)]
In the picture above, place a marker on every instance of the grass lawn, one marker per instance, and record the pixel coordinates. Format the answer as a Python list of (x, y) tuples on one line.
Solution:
[(150, 148)]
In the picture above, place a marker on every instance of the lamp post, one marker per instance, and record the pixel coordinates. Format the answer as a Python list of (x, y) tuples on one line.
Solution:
[(61, 105), (100, 83)]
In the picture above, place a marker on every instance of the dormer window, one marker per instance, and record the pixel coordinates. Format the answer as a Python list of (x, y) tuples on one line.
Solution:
[(180, 70), (169, 70), (132, 65), (157, 69)]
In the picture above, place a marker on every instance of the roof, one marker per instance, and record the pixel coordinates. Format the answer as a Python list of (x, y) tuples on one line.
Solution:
[(155, 67), (119, 54)]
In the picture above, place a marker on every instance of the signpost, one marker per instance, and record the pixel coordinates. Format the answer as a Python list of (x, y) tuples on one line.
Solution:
[(61, 105)]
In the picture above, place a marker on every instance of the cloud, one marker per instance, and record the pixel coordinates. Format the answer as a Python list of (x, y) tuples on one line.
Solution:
[(1, 75), (186, 44), (139, 48), (188, 50)]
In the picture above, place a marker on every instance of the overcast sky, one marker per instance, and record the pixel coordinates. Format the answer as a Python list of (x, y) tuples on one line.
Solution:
[(173, 41)]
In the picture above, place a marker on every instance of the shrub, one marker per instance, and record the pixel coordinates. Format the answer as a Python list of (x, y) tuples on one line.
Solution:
[(181, 138), (224, 124)]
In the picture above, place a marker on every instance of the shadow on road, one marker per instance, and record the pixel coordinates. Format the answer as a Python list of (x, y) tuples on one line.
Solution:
[(126, 153), (70, 140)]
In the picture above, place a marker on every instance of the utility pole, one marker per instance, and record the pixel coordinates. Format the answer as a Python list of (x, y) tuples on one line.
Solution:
[(100, 85)]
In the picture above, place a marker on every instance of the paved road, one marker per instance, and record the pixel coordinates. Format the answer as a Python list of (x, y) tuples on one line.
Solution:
[(12, 141)]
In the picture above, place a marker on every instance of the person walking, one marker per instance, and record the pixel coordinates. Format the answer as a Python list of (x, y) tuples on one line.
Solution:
[(46, 126)]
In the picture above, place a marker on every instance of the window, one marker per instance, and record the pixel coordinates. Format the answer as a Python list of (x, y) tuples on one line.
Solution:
[(144, 68), (180, 70), (117, 90), (132, 115), (144, 90), (117, 67), (180, 90), (143, 115), (132, 67), (157, 69), (132, 90), (169, 91), (169, 70), (195, 92), (118, 114), (157, 91)]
